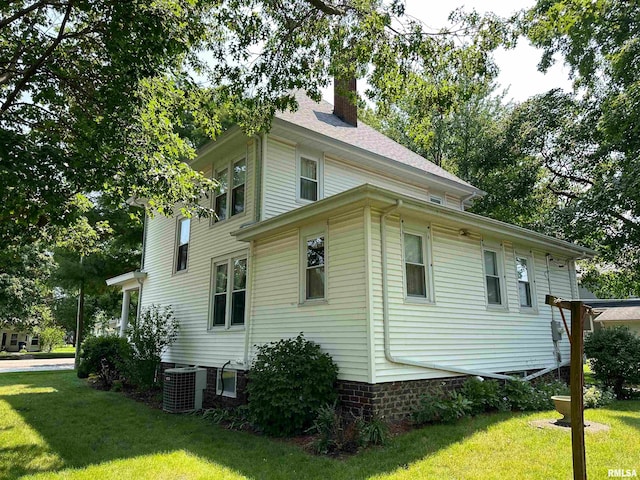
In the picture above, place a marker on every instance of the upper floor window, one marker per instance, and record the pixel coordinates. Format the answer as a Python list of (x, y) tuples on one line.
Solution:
[(524, 282), (436, 199), (314, 267), (184, 226), (229, 292), (220, 206), (309, 185), (239, 172), (492, 277), (234, 175)]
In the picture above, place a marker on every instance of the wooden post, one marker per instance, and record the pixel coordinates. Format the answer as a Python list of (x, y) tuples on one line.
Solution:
[(576, 376)]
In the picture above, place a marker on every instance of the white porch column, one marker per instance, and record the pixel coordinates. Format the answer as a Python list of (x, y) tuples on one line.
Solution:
[(124, 317)]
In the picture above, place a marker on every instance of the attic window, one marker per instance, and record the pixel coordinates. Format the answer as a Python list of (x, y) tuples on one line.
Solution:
[(308, 179), (436, 199)]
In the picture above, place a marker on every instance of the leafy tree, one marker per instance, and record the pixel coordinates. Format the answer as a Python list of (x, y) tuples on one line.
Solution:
[(590, 143), (95, 96), (24, 291), (51, 337)]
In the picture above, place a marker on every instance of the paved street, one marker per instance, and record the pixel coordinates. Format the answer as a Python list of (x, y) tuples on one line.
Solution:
[(36, 365)]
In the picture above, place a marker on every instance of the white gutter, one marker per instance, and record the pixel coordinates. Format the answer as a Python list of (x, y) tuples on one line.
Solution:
[(468, 198), (385, 314)]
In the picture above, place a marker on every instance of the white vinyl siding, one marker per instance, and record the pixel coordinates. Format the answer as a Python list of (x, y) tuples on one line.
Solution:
[(458, 329), (339, 323), (189, 292), (282, 179)]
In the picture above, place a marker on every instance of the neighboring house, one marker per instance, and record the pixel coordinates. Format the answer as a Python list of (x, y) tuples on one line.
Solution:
[(12, 341), (614, 313), (327, 227)]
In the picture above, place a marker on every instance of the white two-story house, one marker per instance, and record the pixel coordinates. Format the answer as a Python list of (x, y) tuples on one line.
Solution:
[(327, 227)]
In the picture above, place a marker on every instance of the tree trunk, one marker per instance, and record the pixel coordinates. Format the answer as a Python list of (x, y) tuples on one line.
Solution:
[(79, 320)]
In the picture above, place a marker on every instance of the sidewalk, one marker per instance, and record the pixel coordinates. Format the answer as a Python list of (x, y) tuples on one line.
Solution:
[(36, 365)]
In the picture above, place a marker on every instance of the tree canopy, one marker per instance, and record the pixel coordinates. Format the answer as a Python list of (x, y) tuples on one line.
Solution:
[(95, 96)]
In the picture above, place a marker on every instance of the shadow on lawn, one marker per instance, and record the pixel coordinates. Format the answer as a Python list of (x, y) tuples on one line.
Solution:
[(83, 426)]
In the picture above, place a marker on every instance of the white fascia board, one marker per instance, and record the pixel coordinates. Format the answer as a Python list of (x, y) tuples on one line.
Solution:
[(382, 198), (126, 278), (282, 127), (228, 138)]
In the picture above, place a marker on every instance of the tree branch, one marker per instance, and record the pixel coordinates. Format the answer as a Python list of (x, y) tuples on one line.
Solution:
[(34, 68), (21, 13), (325, 8)]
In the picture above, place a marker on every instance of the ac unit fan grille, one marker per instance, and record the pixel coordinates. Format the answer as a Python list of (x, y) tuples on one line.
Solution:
[(179, 392)]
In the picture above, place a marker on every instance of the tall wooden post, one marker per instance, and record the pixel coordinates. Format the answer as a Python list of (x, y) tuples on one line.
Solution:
[(576, 376)]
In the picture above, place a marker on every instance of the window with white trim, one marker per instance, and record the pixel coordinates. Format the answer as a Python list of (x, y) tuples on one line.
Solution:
[(239, 176), (35, 340), (229, 199), (229, 292), (14, 339), (415, 265), (226, 383), (314, 280), (524, 275), (220, 199), (492, 276), (436, 199), (309, 184), (182, 249)]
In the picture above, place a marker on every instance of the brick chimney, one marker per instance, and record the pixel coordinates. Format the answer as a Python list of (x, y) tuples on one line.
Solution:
[(342, 106)]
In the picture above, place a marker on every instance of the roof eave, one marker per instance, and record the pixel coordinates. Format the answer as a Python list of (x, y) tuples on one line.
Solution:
[(399, 166), (376, 196)]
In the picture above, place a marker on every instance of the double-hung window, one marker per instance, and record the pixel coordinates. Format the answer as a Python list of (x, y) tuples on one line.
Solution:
[(314, 280), (415, 267), (182, 250), (309, 184), (14, 339), (525, 292), (229, 292), (418, 284), (220, 206), (492, 277), (229, 198), (35, 340), (239, 175)]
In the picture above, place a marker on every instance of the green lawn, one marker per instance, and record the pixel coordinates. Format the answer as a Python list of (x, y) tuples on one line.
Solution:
[(54, 426)]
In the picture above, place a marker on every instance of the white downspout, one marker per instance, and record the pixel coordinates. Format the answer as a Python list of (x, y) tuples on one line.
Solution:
[(385, 314), (248, 319)]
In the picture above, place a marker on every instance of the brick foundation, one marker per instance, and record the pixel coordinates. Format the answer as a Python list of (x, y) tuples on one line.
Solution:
[(396, 400), (389, 400)]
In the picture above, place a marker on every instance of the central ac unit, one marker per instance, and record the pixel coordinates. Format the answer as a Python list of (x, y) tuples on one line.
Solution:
[(183, 389)]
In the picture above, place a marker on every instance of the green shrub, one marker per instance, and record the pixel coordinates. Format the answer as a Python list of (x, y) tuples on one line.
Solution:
[(442, 408), (374, 432), (150, 335), (615, 358), (484, 395), (288, 382), (526, 396), (105, 357), (595, 397), (338, 432)]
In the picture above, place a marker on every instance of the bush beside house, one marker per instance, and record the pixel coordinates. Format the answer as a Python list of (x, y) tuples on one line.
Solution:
[(615, 358)]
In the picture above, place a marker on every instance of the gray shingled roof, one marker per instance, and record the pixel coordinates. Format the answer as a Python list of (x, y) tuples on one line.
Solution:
[(619, 314), (319, 118)]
